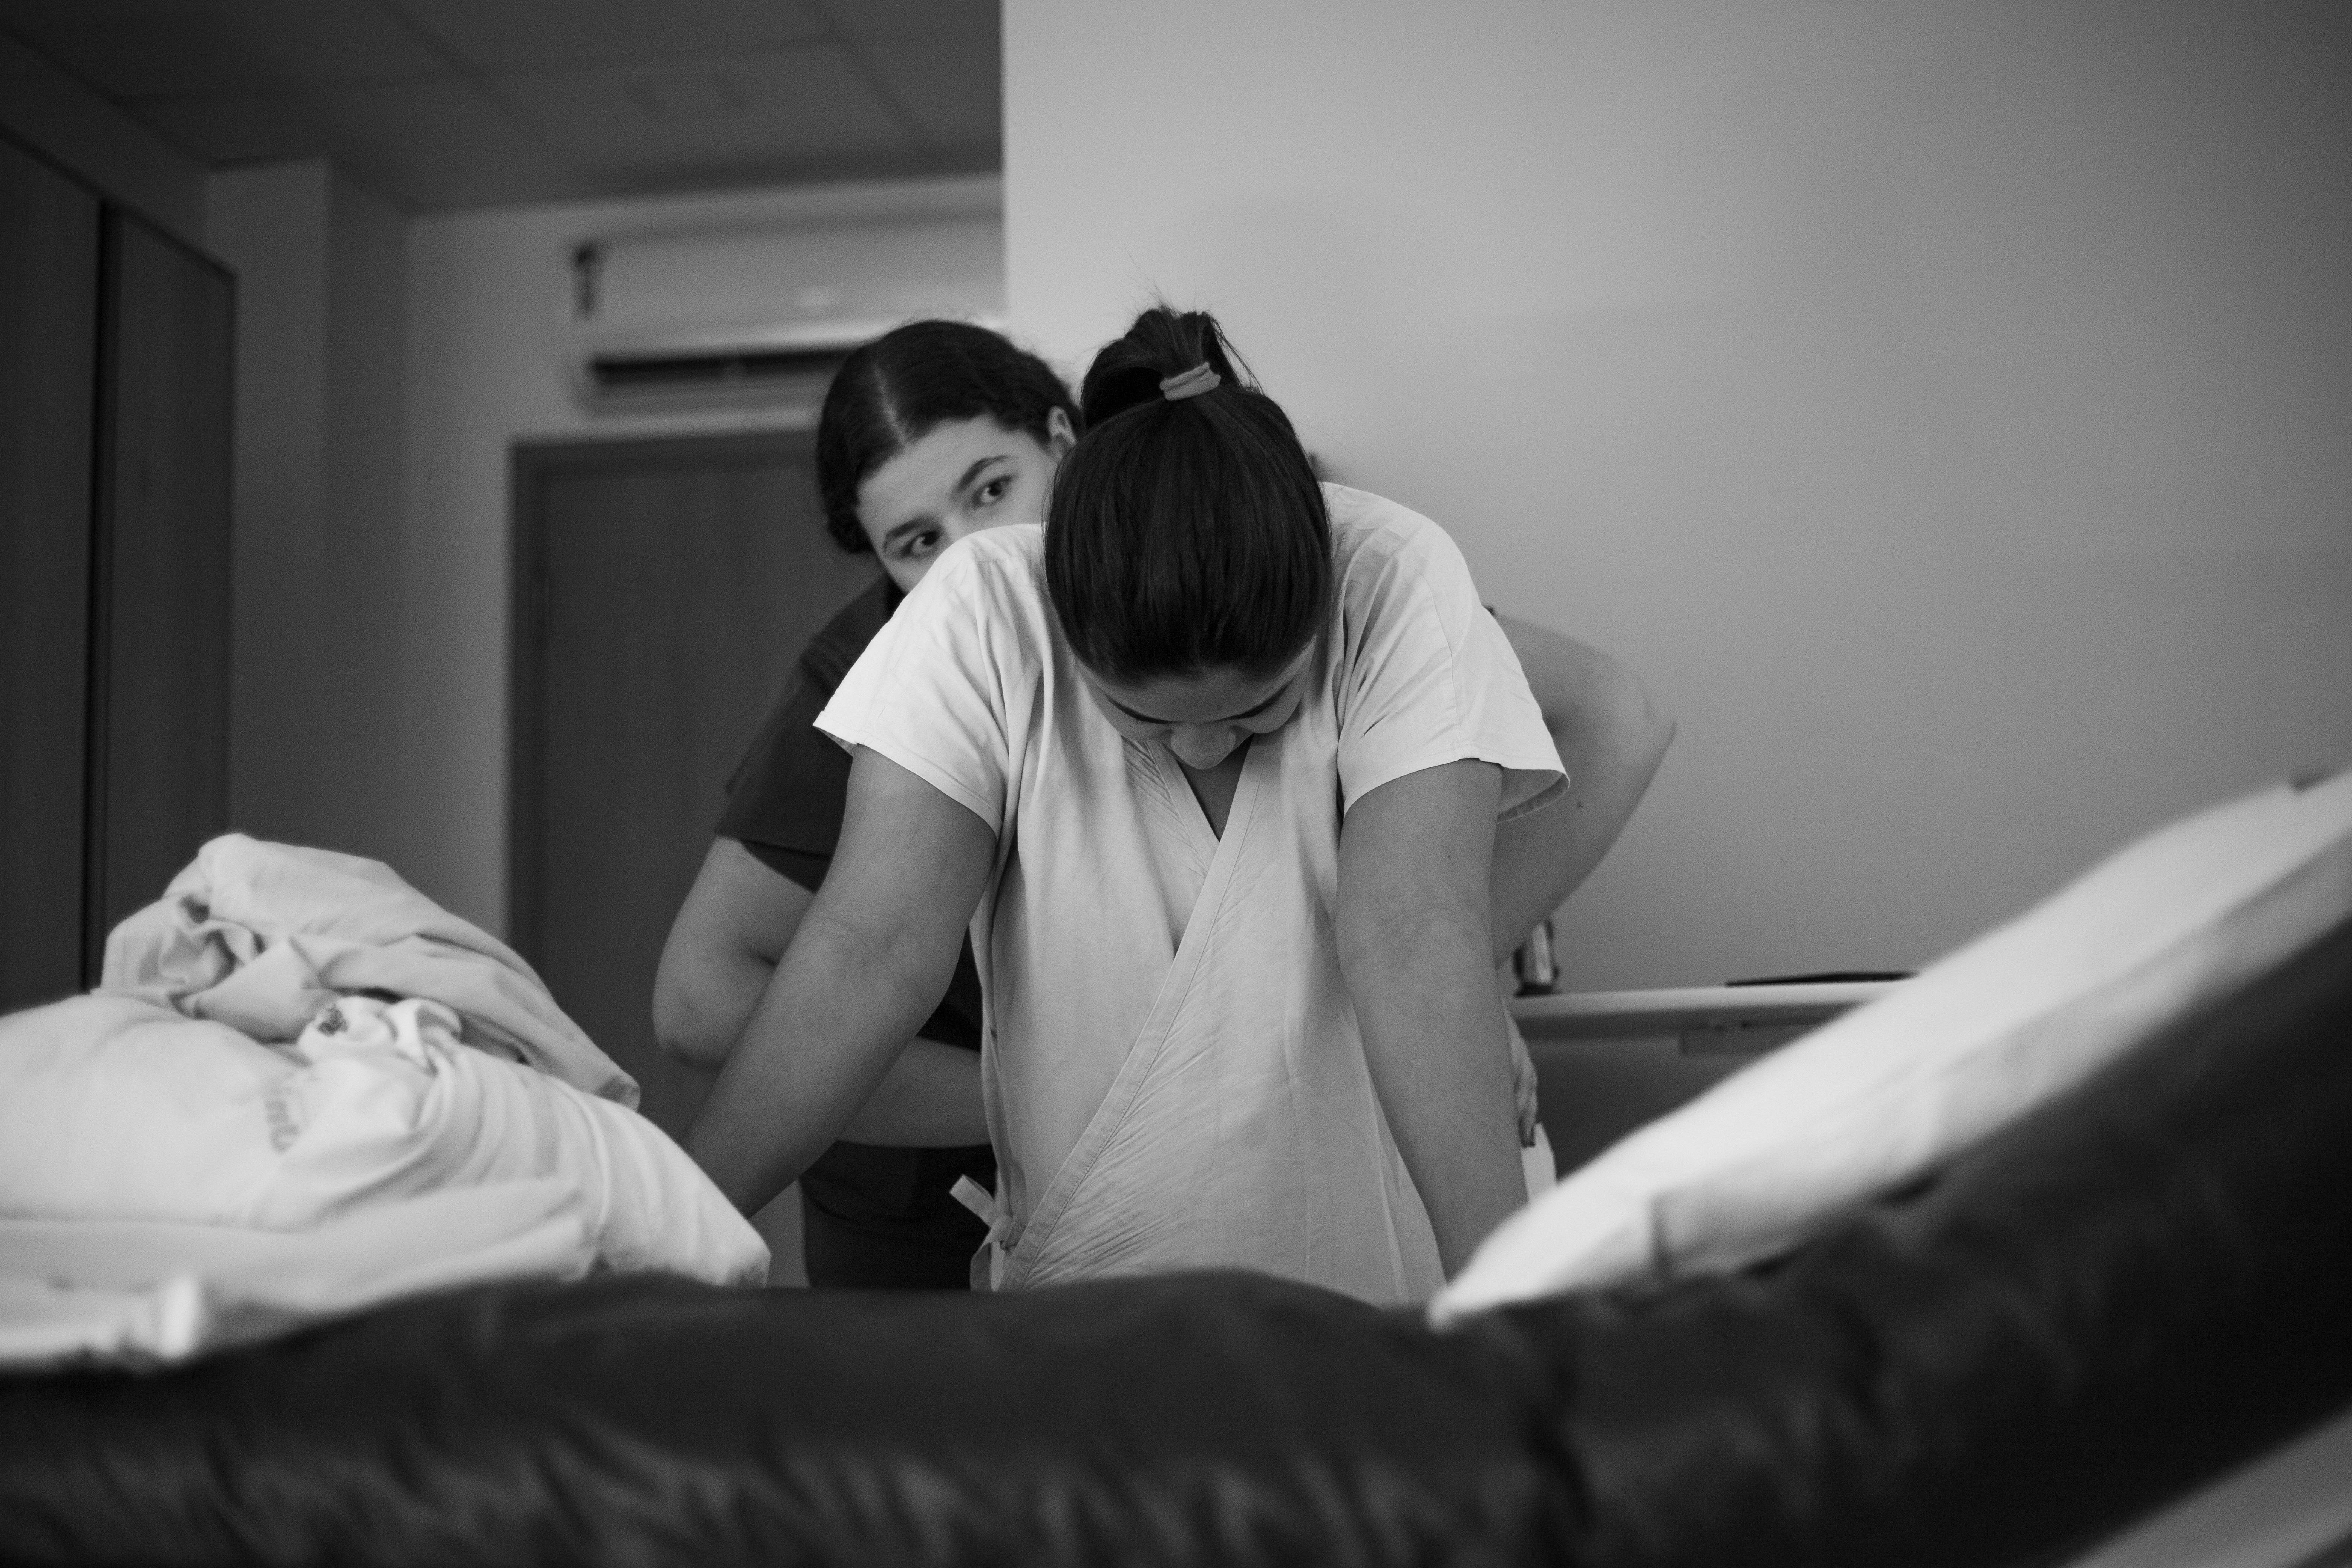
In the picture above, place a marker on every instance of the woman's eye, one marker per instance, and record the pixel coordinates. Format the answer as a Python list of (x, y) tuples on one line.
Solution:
[(922, 543), (992, 491)]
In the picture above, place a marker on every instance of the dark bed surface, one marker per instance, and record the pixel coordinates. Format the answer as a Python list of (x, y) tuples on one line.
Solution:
[(2143, 1284)]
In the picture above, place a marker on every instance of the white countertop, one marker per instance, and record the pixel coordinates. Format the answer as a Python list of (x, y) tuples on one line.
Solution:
[(1671, 1010)]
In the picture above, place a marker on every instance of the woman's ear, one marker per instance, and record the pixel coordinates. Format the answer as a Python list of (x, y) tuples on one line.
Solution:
[(1059, 436)]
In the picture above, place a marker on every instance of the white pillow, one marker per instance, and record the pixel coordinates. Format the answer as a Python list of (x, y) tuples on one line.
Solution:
[(113, 1108), (1888, 1091)]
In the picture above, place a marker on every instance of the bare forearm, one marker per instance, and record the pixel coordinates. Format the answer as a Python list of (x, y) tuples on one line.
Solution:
[(929, 1099), (1611, 736), (1435, 1041), (823, 1038), (1539, 859), (701, 1003), (721, 952), (1413, 925)]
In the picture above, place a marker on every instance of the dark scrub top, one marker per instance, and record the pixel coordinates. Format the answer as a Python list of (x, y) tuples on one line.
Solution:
[(873, 1217)]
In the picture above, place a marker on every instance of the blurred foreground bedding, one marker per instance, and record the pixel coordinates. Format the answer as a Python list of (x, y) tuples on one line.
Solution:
[(302, 1089), (2128, 1291), (2084, 1310)]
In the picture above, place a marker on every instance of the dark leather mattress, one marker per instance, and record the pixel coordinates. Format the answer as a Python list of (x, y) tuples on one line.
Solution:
[(2144, 1283)]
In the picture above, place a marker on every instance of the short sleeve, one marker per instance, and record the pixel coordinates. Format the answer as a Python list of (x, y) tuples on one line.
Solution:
[(786, 796), (929, 692), (1427, 676), (783, 801)]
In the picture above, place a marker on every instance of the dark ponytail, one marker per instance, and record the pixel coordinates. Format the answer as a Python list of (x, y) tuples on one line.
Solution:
[(1184, 535), (897, 389)]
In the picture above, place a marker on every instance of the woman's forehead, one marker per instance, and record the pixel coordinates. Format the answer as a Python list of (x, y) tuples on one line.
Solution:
[(934, 463), (1205, 697)]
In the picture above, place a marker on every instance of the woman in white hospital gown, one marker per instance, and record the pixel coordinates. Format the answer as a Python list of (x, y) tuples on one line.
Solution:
[(1212, 764)]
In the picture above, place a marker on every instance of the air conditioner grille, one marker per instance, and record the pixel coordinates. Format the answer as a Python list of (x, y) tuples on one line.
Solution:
[(716, 370)]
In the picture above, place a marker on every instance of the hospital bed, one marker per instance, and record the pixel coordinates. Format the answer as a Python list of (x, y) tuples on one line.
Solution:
[(2106, 1332), (2110, 1309)]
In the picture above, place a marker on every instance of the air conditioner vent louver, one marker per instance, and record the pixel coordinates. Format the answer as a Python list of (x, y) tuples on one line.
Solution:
[(793, 370)]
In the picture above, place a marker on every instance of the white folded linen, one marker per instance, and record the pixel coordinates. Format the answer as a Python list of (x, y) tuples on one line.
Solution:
[(261, 936)]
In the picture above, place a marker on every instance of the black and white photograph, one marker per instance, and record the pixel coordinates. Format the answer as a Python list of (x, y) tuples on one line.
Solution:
[(1242, 782)]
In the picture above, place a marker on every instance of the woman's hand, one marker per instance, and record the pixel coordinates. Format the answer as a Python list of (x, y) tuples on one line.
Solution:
[(1524, 1098)]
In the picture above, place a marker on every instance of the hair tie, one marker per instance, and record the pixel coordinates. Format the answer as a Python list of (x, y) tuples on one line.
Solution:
[(1189, 383)]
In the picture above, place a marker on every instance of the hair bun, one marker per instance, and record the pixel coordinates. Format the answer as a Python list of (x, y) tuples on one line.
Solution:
[(1161, 344), (1191, 536), (1112, 391)]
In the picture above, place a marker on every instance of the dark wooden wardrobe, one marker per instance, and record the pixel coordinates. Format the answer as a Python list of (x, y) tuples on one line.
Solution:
[(115, 361)]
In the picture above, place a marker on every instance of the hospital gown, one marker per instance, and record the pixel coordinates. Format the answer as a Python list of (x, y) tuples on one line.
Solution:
[(1172, 1066)]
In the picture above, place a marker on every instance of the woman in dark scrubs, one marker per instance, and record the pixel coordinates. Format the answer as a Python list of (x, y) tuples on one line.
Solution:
[(932, 432)]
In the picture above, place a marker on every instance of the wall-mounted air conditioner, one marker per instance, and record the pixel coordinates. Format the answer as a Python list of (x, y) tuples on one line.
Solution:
[(764, 315)]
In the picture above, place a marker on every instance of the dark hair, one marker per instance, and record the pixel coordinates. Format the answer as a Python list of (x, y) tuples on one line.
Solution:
[(1189, 535), (893, 392)]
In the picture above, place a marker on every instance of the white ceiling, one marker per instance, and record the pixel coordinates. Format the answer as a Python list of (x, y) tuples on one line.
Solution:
[(455, 103)]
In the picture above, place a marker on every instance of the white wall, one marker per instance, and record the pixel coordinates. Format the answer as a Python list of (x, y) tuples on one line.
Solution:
[(1946, 408), (322, 350), (487, 298)]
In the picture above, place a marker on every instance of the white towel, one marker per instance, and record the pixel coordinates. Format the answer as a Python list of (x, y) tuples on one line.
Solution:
[(261, 936)]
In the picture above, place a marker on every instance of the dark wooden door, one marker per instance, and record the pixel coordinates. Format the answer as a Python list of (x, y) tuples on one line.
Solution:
[(160, 561), (662, 591), (48, 334)]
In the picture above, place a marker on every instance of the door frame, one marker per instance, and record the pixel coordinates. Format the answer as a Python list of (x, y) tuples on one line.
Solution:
[(530, 465)]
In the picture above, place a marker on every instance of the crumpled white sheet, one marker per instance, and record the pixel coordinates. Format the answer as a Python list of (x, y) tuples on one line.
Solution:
[(259, 936), (192, 1091), (143, 1293), (112, 1108)]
